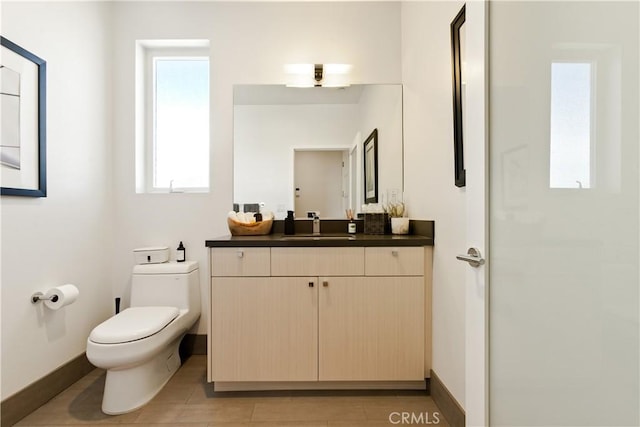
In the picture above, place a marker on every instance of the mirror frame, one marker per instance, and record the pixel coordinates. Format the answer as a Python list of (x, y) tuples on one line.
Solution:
[(456, 61)]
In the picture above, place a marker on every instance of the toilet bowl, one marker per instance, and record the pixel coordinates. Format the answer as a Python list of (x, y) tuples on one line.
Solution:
[(138, 347)]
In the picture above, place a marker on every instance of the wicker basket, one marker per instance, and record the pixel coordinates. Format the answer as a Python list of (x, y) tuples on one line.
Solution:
[(254, 229)]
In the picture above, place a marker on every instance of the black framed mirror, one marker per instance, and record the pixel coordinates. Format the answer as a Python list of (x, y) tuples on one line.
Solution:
[(456, 61)]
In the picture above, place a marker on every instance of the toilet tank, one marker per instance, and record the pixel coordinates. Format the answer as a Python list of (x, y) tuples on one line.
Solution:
[(173, 284)]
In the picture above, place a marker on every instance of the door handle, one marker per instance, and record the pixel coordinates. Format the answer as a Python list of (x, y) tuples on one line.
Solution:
[(473, 257)]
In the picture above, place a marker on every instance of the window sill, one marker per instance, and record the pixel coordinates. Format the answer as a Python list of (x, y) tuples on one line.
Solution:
[(180, 191)]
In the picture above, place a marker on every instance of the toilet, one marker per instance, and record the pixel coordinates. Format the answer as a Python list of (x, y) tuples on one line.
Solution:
[(138, 347)]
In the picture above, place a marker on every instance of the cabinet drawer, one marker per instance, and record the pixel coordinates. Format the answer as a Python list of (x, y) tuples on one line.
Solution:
[(393, 261), (324, 261), (240, 262)]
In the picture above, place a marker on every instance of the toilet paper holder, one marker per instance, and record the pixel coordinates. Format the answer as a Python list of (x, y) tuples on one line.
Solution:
[(39, 296)]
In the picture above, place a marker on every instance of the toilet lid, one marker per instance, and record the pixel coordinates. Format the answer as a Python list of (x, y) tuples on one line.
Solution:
[(133, 324)]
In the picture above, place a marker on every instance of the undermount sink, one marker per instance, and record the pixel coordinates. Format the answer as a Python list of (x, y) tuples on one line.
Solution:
[(318, 237)]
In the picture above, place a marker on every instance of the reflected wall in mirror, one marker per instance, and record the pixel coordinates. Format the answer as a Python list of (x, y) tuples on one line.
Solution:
[(324, 129)]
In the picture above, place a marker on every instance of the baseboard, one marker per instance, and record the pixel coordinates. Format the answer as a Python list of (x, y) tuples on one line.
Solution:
[(193, 344), (224, 386), (27, 400), (448, 405)]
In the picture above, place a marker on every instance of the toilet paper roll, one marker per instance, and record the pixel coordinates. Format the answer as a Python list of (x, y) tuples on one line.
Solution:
[(60, 296)]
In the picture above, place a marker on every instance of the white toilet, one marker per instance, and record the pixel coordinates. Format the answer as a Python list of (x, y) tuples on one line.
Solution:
[(139, 346)]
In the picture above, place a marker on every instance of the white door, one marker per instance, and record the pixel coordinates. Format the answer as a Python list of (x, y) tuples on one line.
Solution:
[(475, 152), (564, 213), (318, 180)]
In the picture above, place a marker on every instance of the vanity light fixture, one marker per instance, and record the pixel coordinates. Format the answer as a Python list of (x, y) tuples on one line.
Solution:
[(317, 75)]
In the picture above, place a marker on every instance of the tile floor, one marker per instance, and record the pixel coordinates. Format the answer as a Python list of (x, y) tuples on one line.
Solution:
[(188, 400)]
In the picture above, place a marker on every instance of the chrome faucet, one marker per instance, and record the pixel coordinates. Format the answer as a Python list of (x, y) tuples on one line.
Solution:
[(316, 225)]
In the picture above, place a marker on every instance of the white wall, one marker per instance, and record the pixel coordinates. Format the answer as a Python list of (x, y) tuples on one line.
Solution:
[(65, 237), (250, 43), (265, 137), (429, 184)]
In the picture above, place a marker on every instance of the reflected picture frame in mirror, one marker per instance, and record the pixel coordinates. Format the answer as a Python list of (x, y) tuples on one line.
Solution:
[(458, 95), (370, 148)]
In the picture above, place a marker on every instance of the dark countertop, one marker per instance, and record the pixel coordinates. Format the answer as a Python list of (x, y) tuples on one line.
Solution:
[(421, 234), (302, 240)]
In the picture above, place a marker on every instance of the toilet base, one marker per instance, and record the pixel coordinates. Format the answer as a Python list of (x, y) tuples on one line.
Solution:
[(128, 389)]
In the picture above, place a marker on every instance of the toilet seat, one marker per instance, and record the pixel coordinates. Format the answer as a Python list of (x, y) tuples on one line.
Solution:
[(133, 324)]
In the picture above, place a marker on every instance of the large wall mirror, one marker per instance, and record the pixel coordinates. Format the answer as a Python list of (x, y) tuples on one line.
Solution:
[(301, 149)]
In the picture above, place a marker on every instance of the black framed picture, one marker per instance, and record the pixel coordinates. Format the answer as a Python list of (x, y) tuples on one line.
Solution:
[(457, 47), (371, 168), (23, 136)]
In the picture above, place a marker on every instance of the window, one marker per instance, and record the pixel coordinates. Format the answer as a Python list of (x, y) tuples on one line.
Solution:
[(571, 125), (172, 120)]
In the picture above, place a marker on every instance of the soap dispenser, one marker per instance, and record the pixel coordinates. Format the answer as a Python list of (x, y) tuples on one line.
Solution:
[(181, 253), (289, 224), (316, 224)]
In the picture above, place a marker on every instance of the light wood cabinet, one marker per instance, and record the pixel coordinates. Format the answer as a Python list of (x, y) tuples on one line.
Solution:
[(321, 315), (264, 329), (371, 328)]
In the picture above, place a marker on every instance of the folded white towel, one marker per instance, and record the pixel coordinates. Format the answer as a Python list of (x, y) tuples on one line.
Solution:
[(249, 217)]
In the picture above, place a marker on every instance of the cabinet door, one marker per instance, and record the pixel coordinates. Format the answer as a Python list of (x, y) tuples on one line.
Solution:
[(264, 329), (371, 328)]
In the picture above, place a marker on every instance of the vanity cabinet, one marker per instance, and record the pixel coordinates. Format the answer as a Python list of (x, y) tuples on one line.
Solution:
[(323, 315)]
